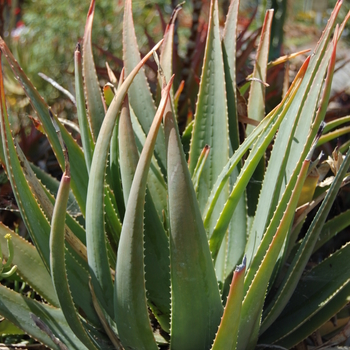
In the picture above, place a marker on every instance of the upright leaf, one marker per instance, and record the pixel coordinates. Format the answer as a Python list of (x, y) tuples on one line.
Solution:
[(78, 169), (193, 281), (155, 238), (92, 87), (211, 124), (232, 248), (291, 139), (131, 313), (256, 101), (95, 224), (229, 57), (85, 132), (58, 264), (226, 338), (139, 93)]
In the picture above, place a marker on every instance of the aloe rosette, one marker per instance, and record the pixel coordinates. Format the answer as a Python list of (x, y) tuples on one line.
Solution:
[(173, 249)]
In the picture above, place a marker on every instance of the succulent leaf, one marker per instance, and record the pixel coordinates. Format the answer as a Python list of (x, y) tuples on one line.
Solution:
[(85, 133), (140, 97), (211, 120), (93, 93), (131, 312), (193, 280)]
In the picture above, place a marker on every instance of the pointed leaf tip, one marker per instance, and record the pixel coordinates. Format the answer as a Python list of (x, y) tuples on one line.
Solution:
[(91, 8), (242, 266)]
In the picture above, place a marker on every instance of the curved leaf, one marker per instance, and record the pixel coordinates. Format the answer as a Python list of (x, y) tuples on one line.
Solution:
[(140, 97), (85, 133), (95, 230), (131, 312), (211, 120), (226, 337), (58, 264), (193, 282), (92, 88), (29, 265), (17, 308), (78, 168)]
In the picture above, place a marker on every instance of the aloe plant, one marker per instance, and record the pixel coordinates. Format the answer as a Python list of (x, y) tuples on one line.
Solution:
[(142, 245)]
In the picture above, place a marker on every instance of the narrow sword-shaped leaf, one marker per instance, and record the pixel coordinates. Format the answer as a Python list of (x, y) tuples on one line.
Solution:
[(17, 308), (290, 148), (29, 265), (155, 183), (156, 242), (233, 245), (76, 251), (301, 258), (114, 165), (256, 101), (226, 337), (140, 97), (95, 231), (128, 150), (229, 58), (33, 217), (332, 227), (78, 169), (58, 263), (254, 157), (193, 282), (262, 267), (314, 292), (85, 133), (211, 120), (92, 87), (166, 53), (254, 299), (249, 141), (130, 304), (336, 304), (297, 266)]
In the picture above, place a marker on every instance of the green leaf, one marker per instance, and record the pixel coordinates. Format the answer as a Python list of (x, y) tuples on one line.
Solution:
[(36, 223), (156, 183), (129, 155), (76, 254), (211, 121), (256, 101), (139, 93), (229, 59), (316, 290), (292, 141), (301, 258), (226, 336), (58, 263), (166, 54), (334, 135), (232, 248), (155, 239), (264, 262), (333, 227), (95, 230), (78, 169), (29, 265), (94, 97), (262, 135), (131, 312), (193, 282), (85, 133), (17, 309)]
